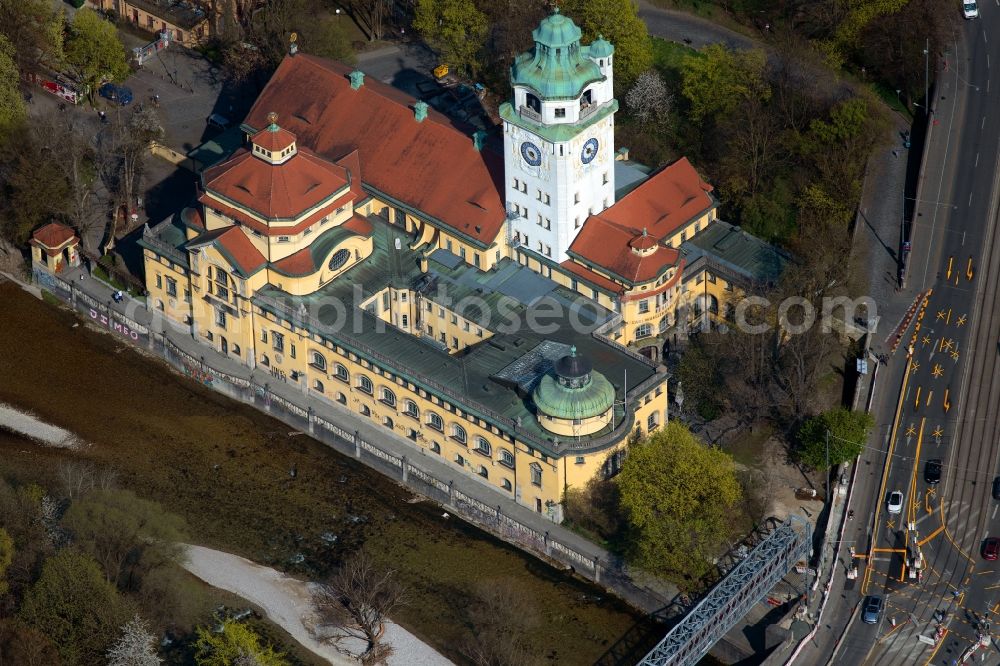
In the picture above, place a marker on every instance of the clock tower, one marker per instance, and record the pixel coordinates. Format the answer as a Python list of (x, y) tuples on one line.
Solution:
[(558, 137)]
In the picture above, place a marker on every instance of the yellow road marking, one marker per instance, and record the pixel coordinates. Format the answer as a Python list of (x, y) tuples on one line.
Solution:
[(890, 524), (952, 541), (938, 432), (948, 319), (968, 270), (947, 402), (911, 431), (938, 371), (916, 402), (936, 648), (926, 340), (951, 260), (885, 468), (888, 550), (915, 367), (960, 321), (930, 536), (954, 355), (913, 477), (941, 344), (949, 344), (930, 394)]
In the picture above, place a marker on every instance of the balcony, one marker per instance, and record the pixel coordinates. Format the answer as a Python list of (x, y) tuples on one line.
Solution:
[(530, 114)]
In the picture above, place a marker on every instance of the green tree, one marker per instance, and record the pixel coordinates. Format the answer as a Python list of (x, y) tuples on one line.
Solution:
[(12, 111), (94, 51), (719, 80), (25, 646), (6, 558), (75, 607), (839, 147), (456, 29), (126, 535), (35, 28), (848, 432), (235, 641), (618, 22), (677, 494)]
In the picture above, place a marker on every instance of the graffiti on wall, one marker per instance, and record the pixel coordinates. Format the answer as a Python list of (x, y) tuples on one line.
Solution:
[(116, 326)]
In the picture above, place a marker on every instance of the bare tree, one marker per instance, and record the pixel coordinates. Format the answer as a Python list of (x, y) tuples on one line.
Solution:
[(135, 647), (648, 99), (121, 149), (371, 16), (355, 603), (77, 478), (500, 614)]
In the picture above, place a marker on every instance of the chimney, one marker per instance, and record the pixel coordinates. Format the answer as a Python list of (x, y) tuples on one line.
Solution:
[(479, 139), (420, 111), (357, 79)]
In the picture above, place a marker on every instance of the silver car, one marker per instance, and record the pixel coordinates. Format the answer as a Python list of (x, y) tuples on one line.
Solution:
[(895, 502)]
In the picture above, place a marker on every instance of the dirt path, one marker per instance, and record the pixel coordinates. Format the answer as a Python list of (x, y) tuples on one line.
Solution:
[(286, 601), (36, 429)]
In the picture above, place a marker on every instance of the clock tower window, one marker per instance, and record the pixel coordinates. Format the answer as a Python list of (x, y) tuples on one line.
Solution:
[(533, 103)]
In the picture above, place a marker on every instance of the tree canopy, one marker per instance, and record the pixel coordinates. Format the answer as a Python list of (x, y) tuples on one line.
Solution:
[(618, 22), (126, 535), (94, 51), (848, 432), (718, 81), (6, 557), (12, 111), (235, 641), (75, 607), (456, 29), (677, 494), (35, 28)]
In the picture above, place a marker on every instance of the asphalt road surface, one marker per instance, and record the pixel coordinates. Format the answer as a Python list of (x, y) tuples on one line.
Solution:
[(941, 394)]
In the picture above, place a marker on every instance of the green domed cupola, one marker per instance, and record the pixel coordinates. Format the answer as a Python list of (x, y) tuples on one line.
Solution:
[(574, 399), (556, 68)]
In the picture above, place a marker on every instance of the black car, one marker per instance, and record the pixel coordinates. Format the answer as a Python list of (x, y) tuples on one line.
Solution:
[(872, 610), (932, 471), (996, 488)]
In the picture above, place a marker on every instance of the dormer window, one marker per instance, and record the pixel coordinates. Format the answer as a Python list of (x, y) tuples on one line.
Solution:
[(587, 99), (561, 113), (533, 103)]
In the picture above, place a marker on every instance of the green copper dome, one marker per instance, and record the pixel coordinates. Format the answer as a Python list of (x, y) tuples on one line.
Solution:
[(557, 68), (574, 391), (600, 48)]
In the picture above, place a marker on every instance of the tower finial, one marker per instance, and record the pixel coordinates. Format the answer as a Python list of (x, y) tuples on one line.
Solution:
[(272, 121), (644, 232), (572, 350)]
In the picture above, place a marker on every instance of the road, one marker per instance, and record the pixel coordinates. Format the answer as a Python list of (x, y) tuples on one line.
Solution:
[(940, 401)]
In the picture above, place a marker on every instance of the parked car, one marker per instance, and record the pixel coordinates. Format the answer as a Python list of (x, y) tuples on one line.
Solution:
[(996, 488), (895, 502), (970, 9), (932, 471), (872, 610), (120, 94), (991, 548)]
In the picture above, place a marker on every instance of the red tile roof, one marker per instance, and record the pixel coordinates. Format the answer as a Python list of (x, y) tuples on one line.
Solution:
[(273, 138), (645, 217), (259, 226), (275, 191), (432, 165), (590, 276), (53, 235), (235, 245), (609, 245)]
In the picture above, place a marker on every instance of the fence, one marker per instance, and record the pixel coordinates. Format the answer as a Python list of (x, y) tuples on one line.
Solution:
[(491, 519)]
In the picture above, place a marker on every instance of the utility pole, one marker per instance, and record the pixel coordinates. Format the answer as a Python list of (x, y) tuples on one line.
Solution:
[(828, 508), (927, 70)]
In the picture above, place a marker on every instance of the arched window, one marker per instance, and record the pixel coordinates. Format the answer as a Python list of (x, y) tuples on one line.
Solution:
[(263, 360), (506, 485), (506, 458), (365, 411), (340, 372), (664, 323), (365, 384), (410, 409), (536, 474), (458, 433), (318, 361), (436, 448), (459, 460), (483, 472), (482, 446), (434, 421), (236, 350), (387, 422), (341, 398), (533, 103), (643, 331), (318, 385), (387, 396)]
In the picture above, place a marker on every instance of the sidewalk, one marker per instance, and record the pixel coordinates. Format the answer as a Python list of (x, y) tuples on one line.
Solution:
[(641, 591)]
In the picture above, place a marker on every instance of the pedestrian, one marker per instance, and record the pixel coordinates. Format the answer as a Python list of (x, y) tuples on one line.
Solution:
[(894, 153)]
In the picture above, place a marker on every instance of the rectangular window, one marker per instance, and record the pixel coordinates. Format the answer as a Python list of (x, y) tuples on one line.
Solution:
[(539, 223), (517, 184), (454, 342), (293, 350), (284, 239), (548, 224), (405, 320), (263, 335), (429, 307), (524, 188), (448, 243), (579, 460), (159, 281), (548, 252), (454, 320), (444, 340), (278, 341), (461, 253), (465, 326), (220, 317), (402, 297), (576, 198), (605, 178), (430, 330), (643, 306), (548, 200), (538, 195), (171, 287), (684, 236), (385, 301), (187, 295), (561, 113), (308, 231)]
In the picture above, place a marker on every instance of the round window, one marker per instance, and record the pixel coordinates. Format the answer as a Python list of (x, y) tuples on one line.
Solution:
[(338, 259)]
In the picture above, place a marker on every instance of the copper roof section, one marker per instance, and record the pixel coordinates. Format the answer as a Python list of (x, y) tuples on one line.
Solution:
[(431, 166)]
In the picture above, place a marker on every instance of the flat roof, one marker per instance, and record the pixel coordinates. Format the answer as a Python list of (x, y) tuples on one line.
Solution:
[(742, 253), (521, 309)]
